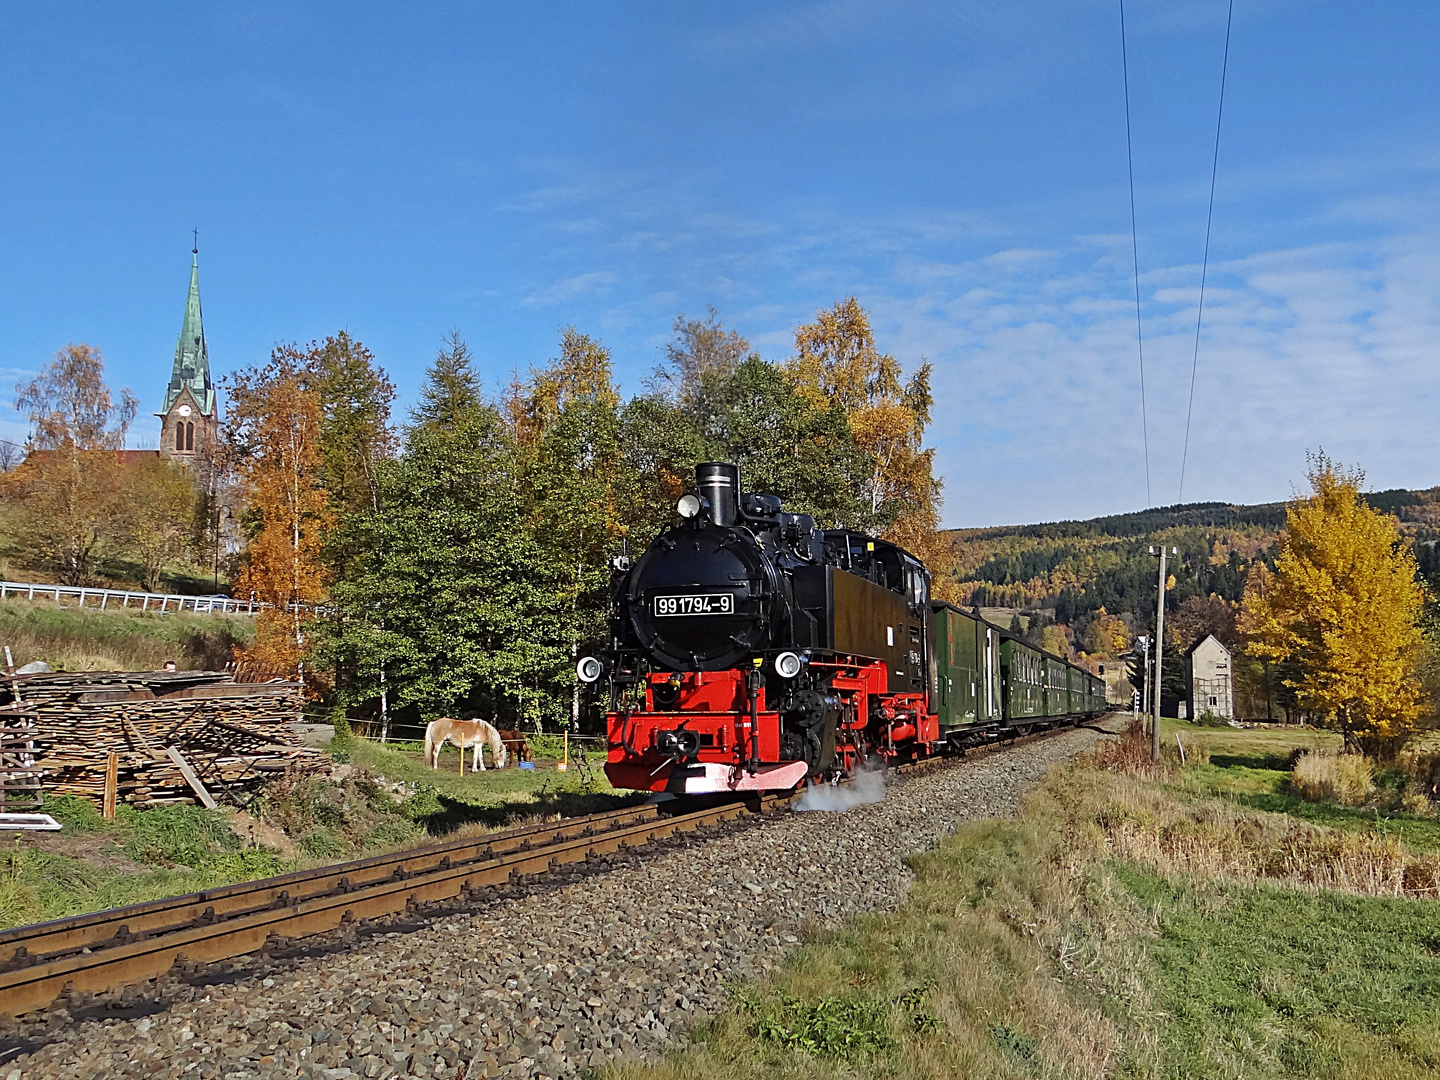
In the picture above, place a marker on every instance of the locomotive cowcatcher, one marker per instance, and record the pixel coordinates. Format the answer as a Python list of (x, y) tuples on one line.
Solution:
[(750, 650)]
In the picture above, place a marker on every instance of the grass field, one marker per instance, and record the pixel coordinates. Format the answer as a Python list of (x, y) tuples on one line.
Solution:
[(496, 797), (1132, 922), (94, 864), (74, 640), (387, 800)]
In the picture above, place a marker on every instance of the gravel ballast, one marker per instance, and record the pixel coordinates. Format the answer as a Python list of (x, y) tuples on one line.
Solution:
[(577, 970)]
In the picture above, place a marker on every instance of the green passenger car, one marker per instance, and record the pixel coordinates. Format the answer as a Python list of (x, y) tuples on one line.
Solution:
[(1023, 670), (986, 678), (967, 668)]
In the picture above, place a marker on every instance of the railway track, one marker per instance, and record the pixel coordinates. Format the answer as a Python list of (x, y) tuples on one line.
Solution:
[(105, 951)]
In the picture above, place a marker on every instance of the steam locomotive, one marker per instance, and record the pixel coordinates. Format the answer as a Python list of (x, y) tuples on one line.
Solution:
[(750, 649)]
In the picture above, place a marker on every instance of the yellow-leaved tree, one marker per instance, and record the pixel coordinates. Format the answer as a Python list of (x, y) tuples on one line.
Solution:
[(1342, 614), (836, 360), (273, 436)]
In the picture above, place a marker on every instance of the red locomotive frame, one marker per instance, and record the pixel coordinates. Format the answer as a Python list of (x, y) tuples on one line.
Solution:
[(738, 733)]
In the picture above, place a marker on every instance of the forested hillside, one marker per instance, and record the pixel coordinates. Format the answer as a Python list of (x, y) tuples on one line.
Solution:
[(1088, 587)]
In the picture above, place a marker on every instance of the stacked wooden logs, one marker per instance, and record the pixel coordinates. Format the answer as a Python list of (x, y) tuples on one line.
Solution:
[(231, 737)]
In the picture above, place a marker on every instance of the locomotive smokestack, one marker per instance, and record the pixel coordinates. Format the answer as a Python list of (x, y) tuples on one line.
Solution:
[(719, 484)]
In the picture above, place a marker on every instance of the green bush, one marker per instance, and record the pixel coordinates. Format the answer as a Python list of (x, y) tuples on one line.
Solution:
[(422, 804), (322, 843), (179, 835), (75, 813), (391, 832)]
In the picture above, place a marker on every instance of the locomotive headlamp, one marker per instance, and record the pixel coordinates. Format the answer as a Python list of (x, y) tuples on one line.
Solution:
[(677, 743), (589, 669), (787, 665), (688, 506)]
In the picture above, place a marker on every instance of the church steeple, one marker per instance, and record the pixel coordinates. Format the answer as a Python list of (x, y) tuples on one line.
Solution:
[(190, 420), (192, 359)]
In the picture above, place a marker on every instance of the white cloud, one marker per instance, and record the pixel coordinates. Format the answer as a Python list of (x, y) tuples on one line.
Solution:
[(593, 283)]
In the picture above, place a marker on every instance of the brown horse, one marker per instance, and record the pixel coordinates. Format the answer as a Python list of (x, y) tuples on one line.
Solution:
[(516, 748), (464, 734)]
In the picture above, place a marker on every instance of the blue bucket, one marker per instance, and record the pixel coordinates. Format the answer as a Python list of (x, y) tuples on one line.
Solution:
[(527, 764)]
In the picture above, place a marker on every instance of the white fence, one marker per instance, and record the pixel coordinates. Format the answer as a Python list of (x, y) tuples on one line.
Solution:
[(124, 598)]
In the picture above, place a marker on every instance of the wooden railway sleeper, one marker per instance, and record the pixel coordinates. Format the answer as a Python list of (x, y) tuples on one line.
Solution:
[(246, 932)]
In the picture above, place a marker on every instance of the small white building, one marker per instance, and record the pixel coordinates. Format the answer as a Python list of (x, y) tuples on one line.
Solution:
[(1208, 673)]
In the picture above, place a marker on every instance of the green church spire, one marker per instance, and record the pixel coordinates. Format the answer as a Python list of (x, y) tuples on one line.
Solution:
[(192, 359)]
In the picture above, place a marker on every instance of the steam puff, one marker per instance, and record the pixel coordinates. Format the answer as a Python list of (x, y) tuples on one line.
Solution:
[(866, 786)]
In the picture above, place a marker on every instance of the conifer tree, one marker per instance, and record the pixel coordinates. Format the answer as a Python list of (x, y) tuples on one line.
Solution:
[(452, 389), (355, 434), (445, 610), (1342, 613)]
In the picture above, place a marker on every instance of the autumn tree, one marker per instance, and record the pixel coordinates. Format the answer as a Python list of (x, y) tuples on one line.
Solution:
[(156, 514), (68, 491), (69, 404), (273, 435), (836, 360), (1106, 635), (699, 349), (1343, 612)]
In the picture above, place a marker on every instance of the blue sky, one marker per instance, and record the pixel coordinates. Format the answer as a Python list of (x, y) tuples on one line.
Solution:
[(507, 169)]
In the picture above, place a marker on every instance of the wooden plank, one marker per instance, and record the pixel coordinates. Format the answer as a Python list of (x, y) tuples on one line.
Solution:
[(191, 779), (112, 779), (141, 737)]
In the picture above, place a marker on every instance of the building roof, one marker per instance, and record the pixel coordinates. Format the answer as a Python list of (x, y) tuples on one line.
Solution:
[(1208, 637), (122, 457), (192, 359)]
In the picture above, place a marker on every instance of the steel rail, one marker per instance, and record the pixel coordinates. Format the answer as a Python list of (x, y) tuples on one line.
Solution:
[(105, 951)]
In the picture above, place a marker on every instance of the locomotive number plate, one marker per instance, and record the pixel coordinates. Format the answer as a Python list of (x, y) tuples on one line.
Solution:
[(696, 604)]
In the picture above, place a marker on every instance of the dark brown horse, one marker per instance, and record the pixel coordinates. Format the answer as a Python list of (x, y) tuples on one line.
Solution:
[(516, 748)]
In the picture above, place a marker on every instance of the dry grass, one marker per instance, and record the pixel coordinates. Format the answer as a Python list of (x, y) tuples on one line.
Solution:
[(1346, 779), (990, 969), (1217, 840), (1120, 927)]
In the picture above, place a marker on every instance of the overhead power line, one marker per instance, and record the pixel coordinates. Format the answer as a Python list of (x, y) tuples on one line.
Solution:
[(1205, 263), (1135, 253)]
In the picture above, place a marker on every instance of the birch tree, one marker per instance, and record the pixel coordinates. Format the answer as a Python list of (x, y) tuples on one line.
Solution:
[(273, 435)]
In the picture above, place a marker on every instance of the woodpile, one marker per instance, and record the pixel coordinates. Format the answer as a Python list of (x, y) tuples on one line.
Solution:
[(149, 729)]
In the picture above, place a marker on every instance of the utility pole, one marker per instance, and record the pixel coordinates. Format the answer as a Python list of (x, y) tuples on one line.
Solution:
[(1159, 650)]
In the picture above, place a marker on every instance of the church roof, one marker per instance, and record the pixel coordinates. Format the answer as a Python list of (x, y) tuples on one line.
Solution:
[(192, 359)]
